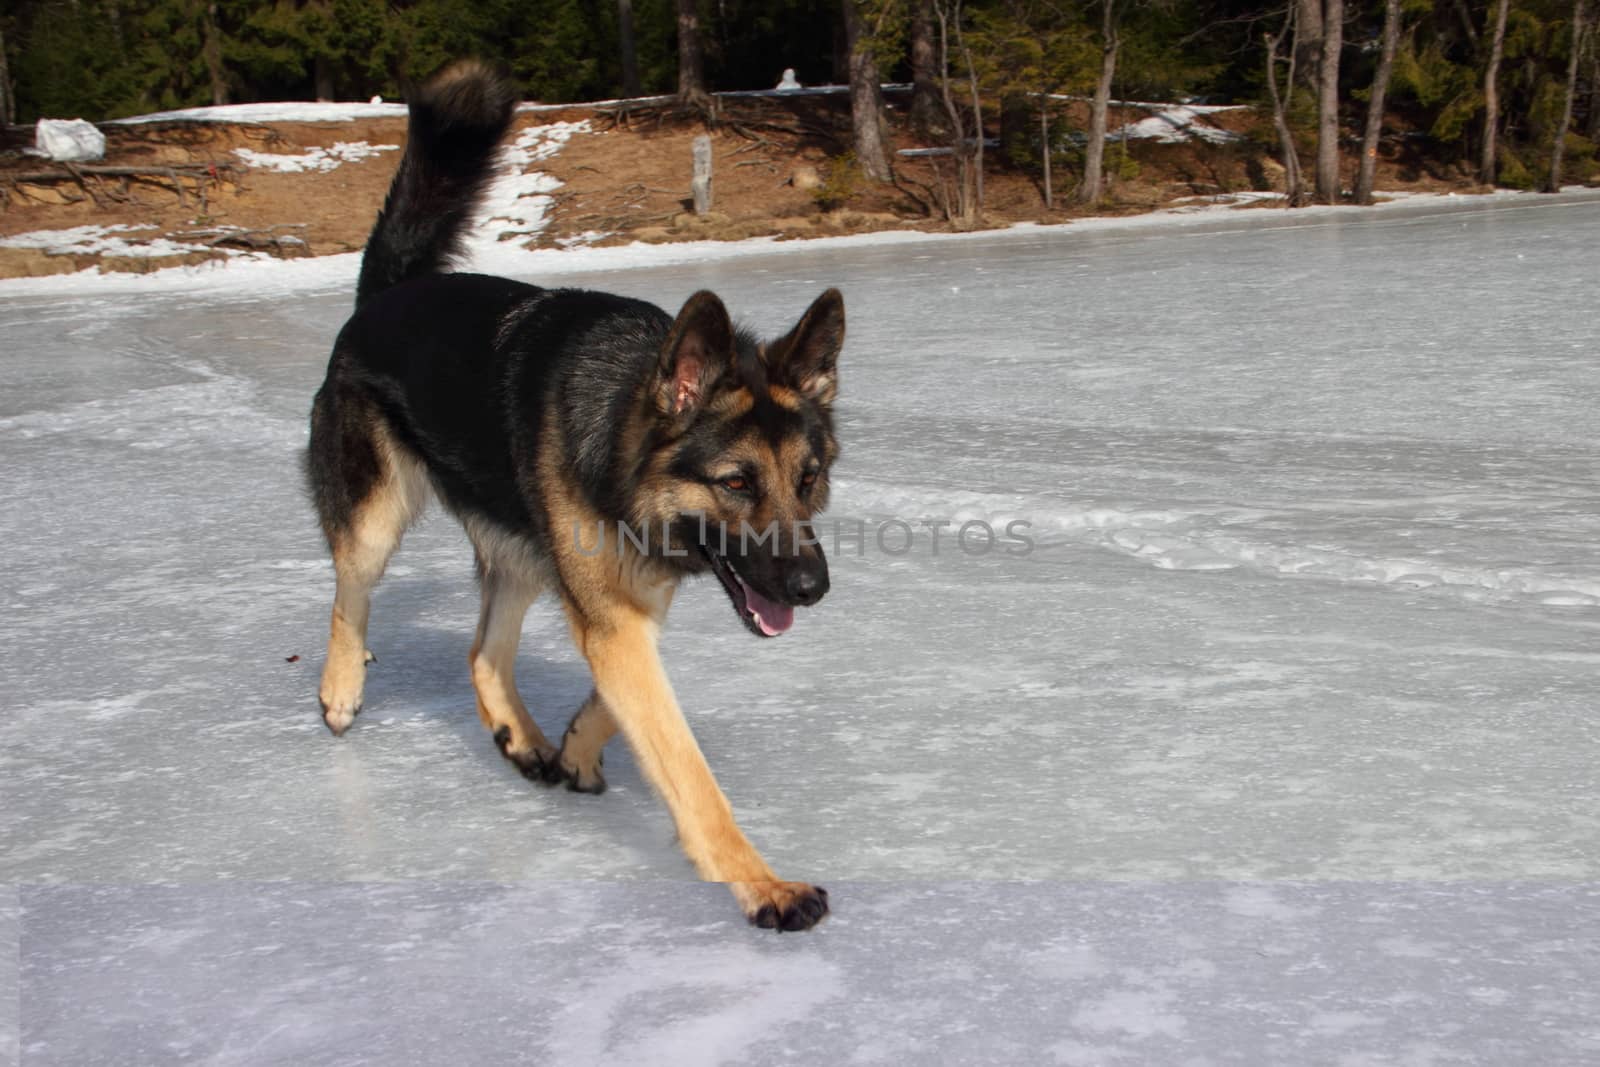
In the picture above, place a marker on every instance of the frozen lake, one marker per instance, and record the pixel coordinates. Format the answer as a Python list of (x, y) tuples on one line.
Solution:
[(1279, 746)]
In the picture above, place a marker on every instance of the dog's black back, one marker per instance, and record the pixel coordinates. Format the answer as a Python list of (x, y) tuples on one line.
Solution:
[(464, 367)]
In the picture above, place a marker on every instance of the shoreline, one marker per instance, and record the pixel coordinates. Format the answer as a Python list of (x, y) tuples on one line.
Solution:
[(253, 275)]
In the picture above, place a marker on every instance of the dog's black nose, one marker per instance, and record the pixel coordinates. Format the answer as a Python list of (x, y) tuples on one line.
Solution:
[(806, 585)]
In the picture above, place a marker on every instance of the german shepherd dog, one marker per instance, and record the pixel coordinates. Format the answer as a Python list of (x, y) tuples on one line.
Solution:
[(543, 418)]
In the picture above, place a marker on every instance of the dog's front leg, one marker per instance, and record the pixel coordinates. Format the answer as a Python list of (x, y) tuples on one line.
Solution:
[(621, 650)]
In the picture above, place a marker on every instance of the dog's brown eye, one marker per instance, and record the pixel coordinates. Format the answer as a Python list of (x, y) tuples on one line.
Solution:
[(808, 479), (736, 485)]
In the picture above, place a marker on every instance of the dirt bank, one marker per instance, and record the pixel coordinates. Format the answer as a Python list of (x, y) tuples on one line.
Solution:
[(182, 191)]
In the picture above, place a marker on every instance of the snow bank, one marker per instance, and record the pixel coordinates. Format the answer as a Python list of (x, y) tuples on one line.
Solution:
[(324, 111), (285, 111)]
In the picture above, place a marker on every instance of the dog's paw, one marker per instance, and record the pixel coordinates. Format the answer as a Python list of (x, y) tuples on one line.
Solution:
[(338, 714), (782, 906), (582, 778), (537, 764), (343, 679)]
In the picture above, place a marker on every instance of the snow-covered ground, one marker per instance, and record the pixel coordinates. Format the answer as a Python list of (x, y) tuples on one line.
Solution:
[(1279, 747)]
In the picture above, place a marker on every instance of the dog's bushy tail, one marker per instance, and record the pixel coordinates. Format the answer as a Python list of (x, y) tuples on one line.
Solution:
[(457, 121)]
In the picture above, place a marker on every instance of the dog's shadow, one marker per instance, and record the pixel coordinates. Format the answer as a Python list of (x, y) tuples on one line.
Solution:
[(421, 641)]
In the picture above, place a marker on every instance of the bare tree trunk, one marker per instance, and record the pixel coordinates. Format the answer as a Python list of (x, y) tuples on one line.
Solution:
[(965, 212), (1308, 23), (1553, 185), (691, 57), (866, 98), (978, 123), (1328, 102), (1593, 132), (1380, 87), (925, 109), (1094, 156), (1466, 23), (630, 57), (8, 107), (1293, 183), (211, 49), (322, 76), (1488, 169), (1044, 142)]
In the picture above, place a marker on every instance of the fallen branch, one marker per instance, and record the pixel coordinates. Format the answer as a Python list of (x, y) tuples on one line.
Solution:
[(264, 239)]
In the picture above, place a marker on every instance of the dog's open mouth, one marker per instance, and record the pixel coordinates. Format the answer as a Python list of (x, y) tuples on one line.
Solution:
[(761, 616)]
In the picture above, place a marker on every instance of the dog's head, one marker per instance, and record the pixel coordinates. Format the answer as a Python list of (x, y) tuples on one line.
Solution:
[(742, 456)]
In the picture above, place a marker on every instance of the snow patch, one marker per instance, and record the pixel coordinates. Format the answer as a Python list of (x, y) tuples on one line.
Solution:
[(316, 159), (518, 202), (1175, 125), (102, 241)]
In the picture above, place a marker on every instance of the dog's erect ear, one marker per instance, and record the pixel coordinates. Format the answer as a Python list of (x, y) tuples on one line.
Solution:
[(698, 350), (807, 358)]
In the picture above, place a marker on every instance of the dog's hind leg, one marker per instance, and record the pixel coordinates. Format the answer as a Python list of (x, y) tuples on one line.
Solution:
[(507, 594), (361, 549), (583, 744)]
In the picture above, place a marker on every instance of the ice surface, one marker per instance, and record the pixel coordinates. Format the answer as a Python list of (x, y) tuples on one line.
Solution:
[(1278, 747), (965, 972)]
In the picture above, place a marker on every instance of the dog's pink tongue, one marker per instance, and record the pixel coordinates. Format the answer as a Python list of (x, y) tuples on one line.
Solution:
[(772, 617)]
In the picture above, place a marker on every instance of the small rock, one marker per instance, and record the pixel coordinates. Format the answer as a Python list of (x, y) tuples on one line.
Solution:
[(69, 140), (805, 178)]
